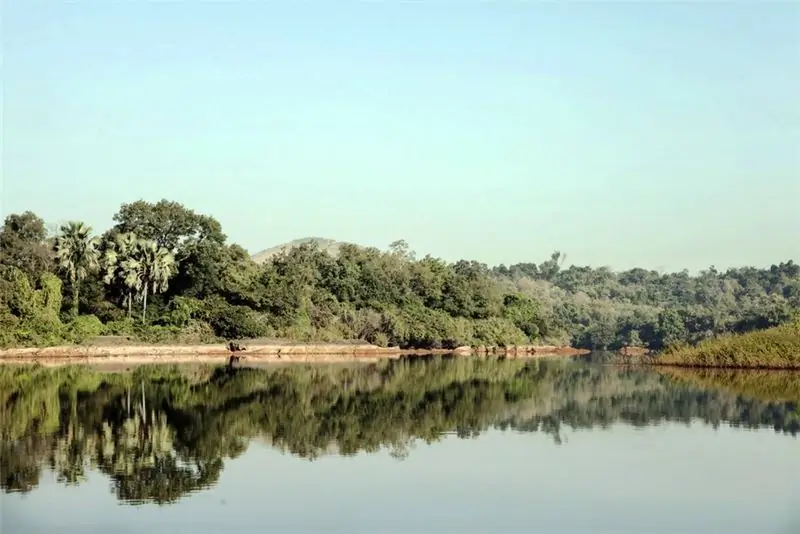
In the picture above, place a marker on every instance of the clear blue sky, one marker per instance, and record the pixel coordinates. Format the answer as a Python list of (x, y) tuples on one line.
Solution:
[(665, 135)]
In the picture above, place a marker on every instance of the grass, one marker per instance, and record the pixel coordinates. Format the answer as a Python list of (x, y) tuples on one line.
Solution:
[(773, 348)]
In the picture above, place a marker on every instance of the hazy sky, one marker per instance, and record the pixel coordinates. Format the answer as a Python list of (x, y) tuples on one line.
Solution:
[(651, 133)]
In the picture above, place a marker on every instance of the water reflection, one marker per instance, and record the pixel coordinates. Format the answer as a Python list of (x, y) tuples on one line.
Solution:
[(160, 433)]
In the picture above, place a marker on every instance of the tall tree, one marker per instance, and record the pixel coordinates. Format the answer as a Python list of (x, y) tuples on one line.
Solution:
[(122, 264), (157, 266), (77, 255), (22, 244), (401, 249), (169, 224)]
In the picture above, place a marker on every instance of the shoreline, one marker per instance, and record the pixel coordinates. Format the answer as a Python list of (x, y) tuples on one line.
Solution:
[(132, 354)]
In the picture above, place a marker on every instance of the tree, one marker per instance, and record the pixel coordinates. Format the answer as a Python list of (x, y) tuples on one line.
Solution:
[(156, 267), (671, 329), (523, 312), (169, 224), (401, 249), (209, 269), (549, 269), (22, 244), (77, 255), (121, 263)]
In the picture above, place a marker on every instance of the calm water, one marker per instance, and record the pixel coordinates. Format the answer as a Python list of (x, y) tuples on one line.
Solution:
[(428, 446)]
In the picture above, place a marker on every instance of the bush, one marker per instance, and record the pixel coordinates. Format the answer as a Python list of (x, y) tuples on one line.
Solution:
[(498, 332), (523, 312), (84, 327), (381, 339), (28, 316), (419, 327), (124, 327), (233, 322), (181, 311), (8, 327)]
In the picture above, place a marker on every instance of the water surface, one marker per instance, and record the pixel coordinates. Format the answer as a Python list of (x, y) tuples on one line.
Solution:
[(421, 445)]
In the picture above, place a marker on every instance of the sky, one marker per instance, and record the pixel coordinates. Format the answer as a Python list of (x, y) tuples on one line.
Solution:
[(656, 134)]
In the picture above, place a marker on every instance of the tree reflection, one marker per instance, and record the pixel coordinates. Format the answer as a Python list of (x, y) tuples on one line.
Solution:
[(160, 433)]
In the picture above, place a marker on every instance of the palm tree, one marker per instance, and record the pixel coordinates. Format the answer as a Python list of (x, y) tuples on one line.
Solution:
[(77, 255), (121, 263), (157, 266)]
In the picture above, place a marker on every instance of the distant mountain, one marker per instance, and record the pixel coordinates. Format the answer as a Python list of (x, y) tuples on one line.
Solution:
[(330, 246)]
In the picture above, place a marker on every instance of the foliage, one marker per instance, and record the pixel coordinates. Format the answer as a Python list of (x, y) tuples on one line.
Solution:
[(600, 309), (23, 244), (77, 255), (122, 267), (29, 316), (231, 321), (83, 328), (168, 224), (177, 268), (139, 266)]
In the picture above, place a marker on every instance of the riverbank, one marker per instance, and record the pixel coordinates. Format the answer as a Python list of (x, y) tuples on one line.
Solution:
[(774, 348), (259, 352)]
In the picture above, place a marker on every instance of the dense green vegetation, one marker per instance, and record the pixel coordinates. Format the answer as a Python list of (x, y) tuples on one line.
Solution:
[(166, 273), (161, 432), (776, 348)]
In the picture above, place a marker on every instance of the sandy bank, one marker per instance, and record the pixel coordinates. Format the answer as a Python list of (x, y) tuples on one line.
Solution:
[(256, 353)]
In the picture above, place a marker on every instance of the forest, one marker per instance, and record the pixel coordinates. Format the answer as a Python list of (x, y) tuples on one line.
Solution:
[(166, 274), (161, 432)]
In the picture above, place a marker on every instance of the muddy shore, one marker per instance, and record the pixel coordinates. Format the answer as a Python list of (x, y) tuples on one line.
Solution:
[(257, 353)]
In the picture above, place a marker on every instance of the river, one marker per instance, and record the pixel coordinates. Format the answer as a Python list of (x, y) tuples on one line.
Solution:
[(423, 445)]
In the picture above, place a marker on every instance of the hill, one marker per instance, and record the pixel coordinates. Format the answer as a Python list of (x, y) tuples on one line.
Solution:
[(331, 246)]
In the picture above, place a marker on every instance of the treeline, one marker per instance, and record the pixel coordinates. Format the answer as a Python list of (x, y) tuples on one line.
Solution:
[(602, 309), (162, 432), (166, 273)]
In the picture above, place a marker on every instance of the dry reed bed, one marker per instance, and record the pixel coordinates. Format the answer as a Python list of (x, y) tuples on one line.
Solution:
[(773, 348)]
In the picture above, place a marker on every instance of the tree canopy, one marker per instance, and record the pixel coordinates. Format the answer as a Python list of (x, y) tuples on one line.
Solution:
[(176, 268)]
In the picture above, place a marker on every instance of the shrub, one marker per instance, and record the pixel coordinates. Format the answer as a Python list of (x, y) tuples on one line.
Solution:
[(419, 327), (381, 339), (233, 322), (124, 327), (498, 332), (84, 327), (777, 347), (182, 310)]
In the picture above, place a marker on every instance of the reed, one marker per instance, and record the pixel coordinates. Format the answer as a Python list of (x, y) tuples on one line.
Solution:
[(773, 348)]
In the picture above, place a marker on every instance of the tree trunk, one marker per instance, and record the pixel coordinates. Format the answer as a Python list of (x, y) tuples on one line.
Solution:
[(130, 304), (144, 304), (76, 293)]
